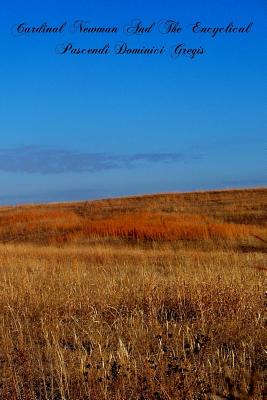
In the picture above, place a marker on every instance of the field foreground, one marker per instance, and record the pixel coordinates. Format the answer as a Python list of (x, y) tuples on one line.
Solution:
[(157, 297)]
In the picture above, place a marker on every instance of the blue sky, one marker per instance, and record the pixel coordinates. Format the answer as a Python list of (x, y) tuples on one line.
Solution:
[(79, 127)]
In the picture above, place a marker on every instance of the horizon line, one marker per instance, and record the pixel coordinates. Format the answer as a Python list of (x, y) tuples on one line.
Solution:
[(131, 196)]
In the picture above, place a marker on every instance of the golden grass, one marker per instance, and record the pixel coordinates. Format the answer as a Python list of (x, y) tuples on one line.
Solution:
[(116, 318)]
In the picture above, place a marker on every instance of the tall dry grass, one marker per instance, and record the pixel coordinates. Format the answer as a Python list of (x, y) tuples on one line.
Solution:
[(105, 323)]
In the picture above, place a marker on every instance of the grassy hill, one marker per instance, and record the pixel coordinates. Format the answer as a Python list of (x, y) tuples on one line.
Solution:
[(229, 215)]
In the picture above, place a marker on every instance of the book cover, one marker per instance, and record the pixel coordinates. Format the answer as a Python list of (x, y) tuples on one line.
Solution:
[(133, 200)]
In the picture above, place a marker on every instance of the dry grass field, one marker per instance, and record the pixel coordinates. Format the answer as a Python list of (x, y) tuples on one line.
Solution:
[(157, 297)]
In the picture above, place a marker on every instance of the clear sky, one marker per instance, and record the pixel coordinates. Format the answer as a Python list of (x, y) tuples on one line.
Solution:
[(76, 127)]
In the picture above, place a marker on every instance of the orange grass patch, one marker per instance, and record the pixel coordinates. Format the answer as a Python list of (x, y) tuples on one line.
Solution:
[(59, 226)]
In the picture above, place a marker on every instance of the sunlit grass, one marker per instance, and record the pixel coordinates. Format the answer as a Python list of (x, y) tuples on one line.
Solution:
[(123, 319)]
